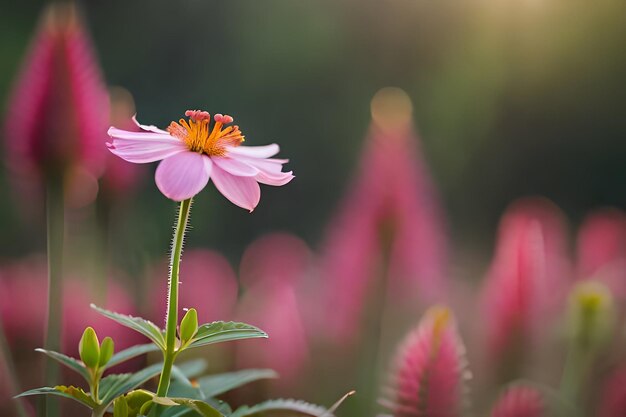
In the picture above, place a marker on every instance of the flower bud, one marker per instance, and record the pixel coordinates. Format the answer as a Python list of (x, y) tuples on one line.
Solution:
[(591, 315), (106, 351), (189, 325), (89, 348), (120, 408)]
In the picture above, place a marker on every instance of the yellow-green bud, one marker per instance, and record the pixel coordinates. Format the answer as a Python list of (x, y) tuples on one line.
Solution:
[(189, 325), (106, 351), (136, 399), (120, 408), (145, 408), (89, 348), (591, 315)]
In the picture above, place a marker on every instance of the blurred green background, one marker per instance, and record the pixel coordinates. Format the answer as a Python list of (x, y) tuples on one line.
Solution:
[(511, 97)]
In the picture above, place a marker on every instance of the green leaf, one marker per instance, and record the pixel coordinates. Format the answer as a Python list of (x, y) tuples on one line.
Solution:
[(181, 411), (190, 369), (74, 393), (115, 385), (214, 385), (219, 331), (293, 407), (143, 326), (200, 407), (130, 353), (71, 363)]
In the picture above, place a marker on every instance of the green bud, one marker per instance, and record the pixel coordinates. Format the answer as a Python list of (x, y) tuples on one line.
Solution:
[(591, 315), (189, 325), (106, 351), (120, 408), (89, 348)]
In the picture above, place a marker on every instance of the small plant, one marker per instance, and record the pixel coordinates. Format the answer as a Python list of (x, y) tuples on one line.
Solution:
[(191, 153)]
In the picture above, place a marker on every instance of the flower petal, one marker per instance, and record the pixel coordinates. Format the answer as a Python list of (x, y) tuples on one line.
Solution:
[(241, 191), (143, 147), (149, 128), (183, 175), (254, 151), (274, 179), (235, 166), (269, 170)]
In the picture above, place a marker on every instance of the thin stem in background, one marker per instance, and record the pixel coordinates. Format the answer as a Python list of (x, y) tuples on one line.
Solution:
[(6, 359), (56, 226)]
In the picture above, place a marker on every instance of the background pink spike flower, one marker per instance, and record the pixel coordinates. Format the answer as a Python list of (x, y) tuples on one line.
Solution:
[(526, 278), (520, 401), (601, 249), (613, 398), (390, 222), (428, 377), (193, 151), (272, 269), (58, 108)]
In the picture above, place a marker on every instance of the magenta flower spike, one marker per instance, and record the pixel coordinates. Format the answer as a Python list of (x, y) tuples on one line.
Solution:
[(526, 279), (429, 373), (202, 148), (613, 397), (520, 401), (391, 209), (271, 270), (601, 249), (59, 105)]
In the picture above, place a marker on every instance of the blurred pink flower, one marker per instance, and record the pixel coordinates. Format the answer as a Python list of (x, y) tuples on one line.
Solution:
[(271, 271), (208, 284), (602, 249), (428, 376), (119, 177), (613, 398), (527, 276), (23, 308), (192, 152), (389, 227), (58, 108), (520, 401)]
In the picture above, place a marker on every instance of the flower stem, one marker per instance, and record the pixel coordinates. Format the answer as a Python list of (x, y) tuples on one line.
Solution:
[(172, 305), (55, 220)]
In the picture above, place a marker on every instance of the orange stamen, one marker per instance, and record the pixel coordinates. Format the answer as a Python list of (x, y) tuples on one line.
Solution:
[(199, 137)]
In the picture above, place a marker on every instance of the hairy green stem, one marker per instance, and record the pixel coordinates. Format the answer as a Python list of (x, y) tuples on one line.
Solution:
[(172, 308), (55, 241)]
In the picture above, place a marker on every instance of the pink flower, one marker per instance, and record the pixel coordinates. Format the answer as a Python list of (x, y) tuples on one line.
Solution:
[(526, 280), (602, 249), (192, 152), (429, 374), (613, 399), (272, 269), (520, 401), (389, 226), (59, 105)]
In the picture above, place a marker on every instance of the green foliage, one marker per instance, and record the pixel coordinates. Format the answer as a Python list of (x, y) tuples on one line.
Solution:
[(220, 331), (74, 393), (143, 326), (130, 353), (120, 407), (188, 325), (71, 363), (202, 408), (292, 407), (106, 351), (213, 385), (89, 348), (113, 386)]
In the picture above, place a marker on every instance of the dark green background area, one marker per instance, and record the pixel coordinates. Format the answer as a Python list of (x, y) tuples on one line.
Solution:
[(511, 97)]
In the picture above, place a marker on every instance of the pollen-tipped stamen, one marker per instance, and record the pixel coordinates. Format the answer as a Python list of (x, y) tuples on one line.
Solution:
[(199, 137)]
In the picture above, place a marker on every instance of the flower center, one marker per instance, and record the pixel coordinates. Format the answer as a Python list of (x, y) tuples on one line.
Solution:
[(199, 136)]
